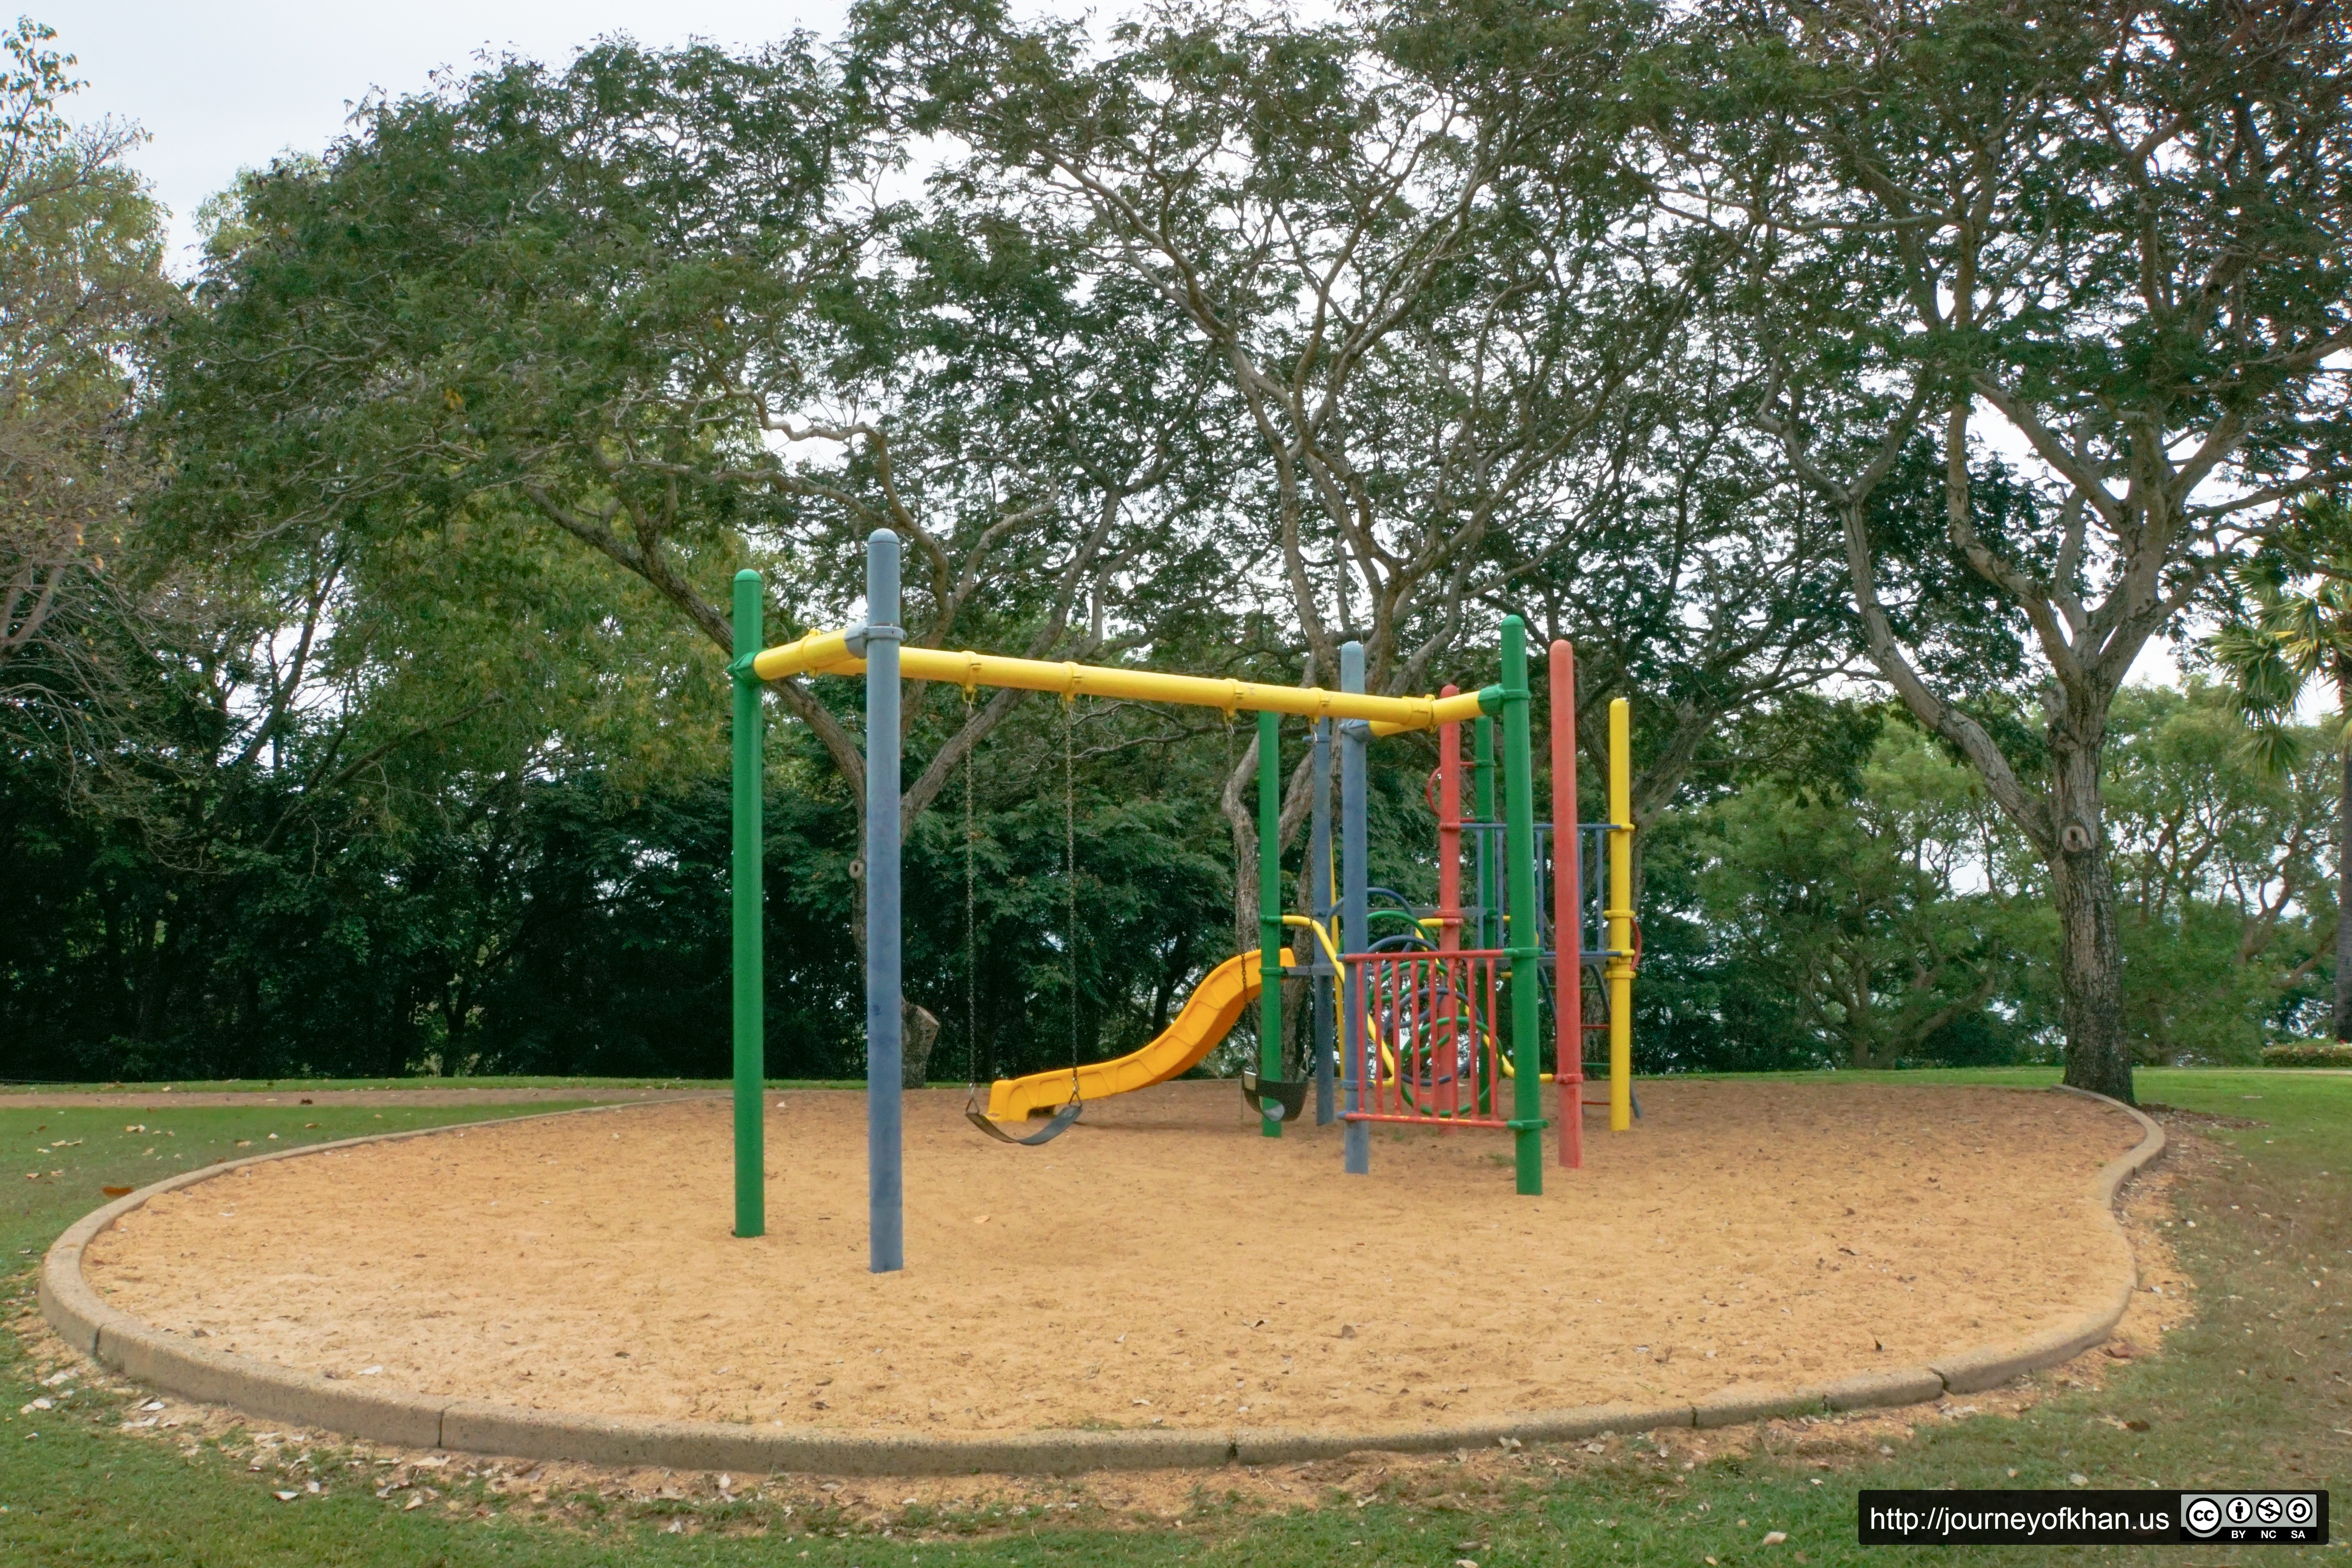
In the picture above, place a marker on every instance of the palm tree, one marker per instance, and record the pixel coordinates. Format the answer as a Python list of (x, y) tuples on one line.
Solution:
[(2293, 626)]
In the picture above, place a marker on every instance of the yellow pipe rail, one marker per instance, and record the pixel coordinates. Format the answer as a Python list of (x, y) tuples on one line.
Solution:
[(827, 653), (816, 654)]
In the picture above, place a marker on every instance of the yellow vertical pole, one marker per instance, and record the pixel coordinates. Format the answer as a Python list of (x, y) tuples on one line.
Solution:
[(1620, 915)]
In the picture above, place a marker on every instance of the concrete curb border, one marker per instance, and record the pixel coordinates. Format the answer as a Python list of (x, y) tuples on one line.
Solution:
[(178, 1365)]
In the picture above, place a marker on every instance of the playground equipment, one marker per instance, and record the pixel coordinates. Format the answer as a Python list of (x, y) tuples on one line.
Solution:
[(1208, 1014), (1415, 1024), (1062, 1117)]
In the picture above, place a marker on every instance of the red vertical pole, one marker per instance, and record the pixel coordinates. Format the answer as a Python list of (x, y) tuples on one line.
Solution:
[(1391, 1038), (1449, 833), (1491, 1040), (1363, 1045), (1445, 1033), (1424, 1038), (1568, 910), (1449, 889)]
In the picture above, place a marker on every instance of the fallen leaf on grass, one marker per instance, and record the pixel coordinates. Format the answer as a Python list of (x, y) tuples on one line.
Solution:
[(116, 1191), (285, 1497), (1774, 1538)]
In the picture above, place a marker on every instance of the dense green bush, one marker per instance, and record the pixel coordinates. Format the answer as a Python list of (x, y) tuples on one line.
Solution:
[(2308, 1054)]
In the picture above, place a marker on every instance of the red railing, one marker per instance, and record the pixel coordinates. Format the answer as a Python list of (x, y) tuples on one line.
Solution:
[(1433, 1039)]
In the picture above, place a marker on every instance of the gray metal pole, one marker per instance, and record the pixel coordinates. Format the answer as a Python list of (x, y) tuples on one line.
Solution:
[(1355, 877), (1319, 1042), (885, 1185)]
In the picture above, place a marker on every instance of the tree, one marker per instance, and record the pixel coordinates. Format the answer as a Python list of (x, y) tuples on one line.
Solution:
[(1855, 904), (2221, 874), (2117, 233), (2293, 626), (82, 283), (1688, 575), (1396, 239), (647, 301)]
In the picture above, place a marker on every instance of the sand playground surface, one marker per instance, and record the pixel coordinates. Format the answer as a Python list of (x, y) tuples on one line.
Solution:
[(1159, 1265)]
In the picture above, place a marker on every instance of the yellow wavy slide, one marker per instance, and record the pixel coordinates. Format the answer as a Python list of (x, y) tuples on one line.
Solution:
[(1209, 1014)]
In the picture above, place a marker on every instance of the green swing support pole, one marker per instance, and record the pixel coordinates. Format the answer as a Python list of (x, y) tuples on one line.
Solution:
[(744, 877), (1521, 930), (1269, 910)]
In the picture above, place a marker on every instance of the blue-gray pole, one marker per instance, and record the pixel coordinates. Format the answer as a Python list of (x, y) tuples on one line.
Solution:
[(885, 1186), (1319, 1042), (1355, 877)]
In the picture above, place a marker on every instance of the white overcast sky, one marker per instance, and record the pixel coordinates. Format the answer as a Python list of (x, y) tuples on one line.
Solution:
[(223, 86)]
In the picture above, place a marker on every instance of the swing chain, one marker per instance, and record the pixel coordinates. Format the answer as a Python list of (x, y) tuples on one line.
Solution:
[(970, 931), (1070, 869), (1241, 926)]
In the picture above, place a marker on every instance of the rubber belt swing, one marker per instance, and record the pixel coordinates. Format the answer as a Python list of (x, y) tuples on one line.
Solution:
[(1062, 1119), (1288, 1095), (1045, 1134)]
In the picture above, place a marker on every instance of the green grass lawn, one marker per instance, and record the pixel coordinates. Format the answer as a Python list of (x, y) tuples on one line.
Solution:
[(590, 1087), (2255, 1391)]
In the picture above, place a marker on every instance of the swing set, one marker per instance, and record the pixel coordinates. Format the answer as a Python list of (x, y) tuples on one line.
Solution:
[(1414, 1025), (1059, 1122)]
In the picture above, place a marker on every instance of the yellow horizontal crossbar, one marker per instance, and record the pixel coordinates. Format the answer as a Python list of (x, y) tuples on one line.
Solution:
[(827, 653), (817, 652)]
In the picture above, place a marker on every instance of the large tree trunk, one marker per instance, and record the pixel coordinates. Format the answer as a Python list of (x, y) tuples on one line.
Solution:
[(918, 1032), (2342, 856), (1238, 800), (2090, 953)]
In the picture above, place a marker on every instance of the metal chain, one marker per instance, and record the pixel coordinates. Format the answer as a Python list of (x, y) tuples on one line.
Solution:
[(1070, 870), (971, 932), (1224, 782), (1241, 929)]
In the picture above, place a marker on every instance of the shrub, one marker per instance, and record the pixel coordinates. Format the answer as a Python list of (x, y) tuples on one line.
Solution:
[(2308, 1054)]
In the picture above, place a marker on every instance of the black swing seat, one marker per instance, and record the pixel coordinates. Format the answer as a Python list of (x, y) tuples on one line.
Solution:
[(1289, 1095), (1053, 1129)]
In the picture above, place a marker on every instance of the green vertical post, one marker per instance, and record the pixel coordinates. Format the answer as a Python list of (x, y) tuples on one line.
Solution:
[(1481, 777), (1269, 912), (750, 998), (1524, 943)]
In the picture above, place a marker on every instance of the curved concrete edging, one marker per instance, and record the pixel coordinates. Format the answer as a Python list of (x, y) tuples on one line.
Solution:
[(179, 1365)]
